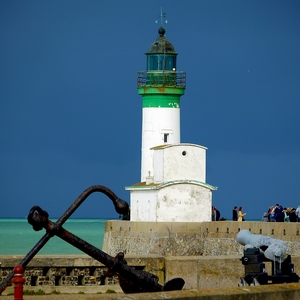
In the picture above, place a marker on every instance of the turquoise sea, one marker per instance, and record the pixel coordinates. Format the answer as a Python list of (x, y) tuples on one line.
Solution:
[(17, 236)]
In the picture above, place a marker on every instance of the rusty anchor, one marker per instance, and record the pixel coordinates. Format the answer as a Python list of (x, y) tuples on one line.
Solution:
[(130, 280)]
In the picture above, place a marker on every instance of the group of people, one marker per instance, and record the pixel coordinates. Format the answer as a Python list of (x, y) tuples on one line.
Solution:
[(275, 214), (237, 214), (279, 214)]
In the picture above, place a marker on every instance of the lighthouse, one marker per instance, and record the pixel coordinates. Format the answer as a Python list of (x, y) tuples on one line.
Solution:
[(173, 184), (161, 87)]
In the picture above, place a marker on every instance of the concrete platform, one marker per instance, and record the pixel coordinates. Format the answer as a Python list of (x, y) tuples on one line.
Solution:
[(290, 291)]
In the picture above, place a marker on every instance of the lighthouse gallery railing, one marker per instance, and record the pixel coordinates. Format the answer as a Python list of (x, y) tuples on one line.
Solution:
[(161, 78)]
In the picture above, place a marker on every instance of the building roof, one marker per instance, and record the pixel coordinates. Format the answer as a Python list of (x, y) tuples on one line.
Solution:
[(155, 186), (163, 146)]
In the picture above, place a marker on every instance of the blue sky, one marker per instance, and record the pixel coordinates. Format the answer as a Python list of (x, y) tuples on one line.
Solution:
[(71, 117)]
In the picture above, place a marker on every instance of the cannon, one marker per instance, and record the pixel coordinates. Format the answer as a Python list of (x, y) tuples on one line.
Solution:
[(130, 280), (259, 249)]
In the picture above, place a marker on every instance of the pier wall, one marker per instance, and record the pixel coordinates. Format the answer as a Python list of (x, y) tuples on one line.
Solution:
[(81, 273), (191, 238), (205, 255)]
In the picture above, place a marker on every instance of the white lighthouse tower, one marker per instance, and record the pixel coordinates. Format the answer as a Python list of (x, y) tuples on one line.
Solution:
[(161, 87), (173, 184)]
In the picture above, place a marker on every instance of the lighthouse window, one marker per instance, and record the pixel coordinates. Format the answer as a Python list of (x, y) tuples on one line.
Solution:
[(152, 62), (166, 135), (161, 62), (170, 62)]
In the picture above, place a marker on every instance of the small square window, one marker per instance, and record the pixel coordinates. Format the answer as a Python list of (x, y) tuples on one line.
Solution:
[(166, 137)]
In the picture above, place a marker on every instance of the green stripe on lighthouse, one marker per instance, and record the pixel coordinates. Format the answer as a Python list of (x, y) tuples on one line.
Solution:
[(168, 97), (161, 101)]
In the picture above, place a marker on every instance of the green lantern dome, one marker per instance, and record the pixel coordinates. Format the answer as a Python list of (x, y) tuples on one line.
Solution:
[(161, 54), (161, 45)]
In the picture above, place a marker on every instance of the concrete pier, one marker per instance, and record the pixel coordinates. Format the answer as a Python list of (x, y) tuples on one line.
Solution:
[(191, 238), (206, 255), (289, 291)]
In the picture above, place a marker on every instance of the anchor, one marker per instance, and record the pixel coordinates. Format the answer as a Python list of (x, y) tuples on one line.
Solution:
[(130, 280)]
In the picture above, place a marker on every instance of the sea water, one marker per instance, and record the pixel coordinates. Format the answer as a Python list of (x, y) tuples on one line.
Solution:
[(17, 236)]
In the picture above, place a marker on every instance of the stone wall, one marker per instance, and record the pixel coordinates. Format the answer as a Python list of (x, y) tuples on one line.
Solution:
[(56, 272), (191, 238), (80, 273)]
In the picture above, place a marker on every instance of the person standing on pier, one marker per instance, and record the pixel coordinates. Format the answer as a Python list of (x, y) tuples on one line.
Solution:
[(298, 213), (241, 215), (235, 214)]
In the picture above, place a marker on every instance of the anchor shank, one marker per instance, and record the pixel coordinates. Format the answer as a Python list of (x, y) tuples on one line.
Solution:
[(118, 265), (112, 263)]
